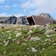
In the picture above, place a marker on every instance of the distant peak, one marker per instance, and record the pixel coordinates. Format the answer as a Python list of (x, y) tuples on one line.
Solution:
[(45, 15)]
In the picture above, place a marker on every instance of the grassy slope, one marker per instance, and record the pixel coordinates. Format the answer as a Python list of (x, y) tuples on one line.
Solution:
[(19, 41)]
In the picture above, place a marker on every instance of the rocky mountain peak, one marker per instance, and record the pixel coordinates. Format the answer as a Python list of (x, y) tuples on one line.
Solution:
[(45, 15)]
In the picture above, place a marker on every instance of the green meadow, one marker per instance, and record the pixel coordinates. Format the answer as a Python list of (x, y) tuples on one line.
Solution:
[(33, 40)]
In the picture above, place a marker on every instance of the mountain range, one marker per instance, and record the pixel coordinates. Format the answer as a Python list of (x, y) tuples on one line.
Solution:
[(40, 19)]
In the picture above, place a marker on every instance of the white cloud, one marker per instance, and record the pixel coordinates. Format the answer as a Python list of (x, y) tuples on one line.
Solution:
[(34, 3), (2, 1), (17, 15), (40, 6), (27, 4), (7, 7), (6, 15)]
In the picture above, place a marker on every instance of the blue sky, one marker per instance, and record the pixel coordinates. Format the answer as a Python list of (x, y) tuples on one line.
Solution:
[(27, 7)]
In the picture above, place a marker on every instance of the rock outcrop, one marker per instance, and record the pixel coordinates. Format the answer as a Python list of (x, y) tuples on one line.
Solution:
[(42, 19)]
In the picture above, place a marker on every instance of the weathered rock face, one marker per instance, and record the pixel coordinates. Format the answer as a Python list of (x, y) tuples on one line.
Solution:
[(8, 20), (46, 15), (42, 19), (11, 20), (3, 19), (23, 20), (14, 20)]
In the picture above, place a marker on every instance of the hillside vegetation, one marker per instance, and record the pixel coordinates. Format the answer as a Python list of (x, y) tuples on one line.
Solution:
[(33, 40)]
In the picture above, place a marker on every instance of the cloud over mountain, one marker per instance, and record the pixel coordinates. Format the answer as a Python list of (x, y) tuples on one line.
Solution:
[(28, 7)]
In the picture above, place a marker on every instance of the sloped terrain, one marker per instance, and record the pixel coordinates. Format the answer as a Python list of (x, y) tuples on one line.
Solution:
[(33, 40)]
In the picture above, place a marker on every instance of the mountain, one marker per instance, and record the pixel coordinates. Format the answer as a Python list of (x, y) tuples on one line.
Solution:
[(8, 20), (40, 19), (46, 15)]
